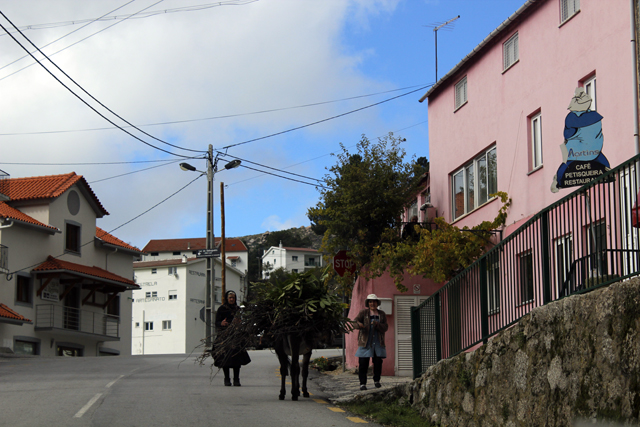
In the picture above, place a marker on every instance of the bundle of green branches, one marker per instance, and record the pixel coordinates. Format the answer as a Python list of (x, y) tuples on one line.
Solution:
[(301, 305)]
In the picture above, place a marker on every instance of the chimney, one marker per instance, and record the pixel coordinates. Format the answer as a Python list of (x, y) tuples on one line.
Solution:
[(184, 259), (281, 243)]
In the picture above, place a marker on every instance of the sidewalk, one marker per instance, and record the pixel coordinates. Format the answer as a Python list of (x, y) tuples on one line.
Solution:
[(344, 386)]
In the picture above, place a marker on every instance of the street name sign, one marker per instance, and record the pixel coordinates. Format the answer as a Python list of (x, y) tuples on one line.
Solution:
[(208, 253)]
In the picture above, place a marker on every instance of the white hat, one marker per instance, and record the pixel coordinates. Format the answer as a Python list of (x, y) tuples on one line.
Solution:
[(371, 297)]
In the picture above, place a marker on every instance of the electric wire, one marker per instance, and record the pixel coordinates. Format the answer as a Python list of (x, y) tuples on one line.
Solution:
[(283, 177), (71, 45), (85, 102), (92, 97), (118, 227), (194, 8), (325, 120), (87, 163), (269, 167), (214, 117), (136, 171), (89, 22)]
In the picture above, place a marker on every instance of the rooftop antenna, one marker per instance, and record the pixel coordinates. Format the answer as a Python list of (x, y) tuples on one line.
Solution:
[(436, 27)]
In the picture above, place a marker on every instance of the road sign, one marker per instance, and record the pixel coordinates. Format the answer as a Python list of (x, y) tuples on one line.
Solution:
[(342, 263), (208, 253)]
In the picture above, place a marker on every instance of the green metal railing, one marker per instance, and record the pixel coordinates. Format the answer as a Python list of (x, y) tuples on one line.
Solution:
[(582, 242)]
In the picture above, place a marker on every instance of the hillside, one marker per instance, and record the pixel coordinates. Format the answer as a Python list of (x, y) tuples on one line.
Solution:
[(253, 241)]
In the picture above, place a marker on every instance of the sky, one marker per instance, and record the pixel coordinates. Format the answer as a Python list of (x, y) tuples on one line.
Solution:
[(279, 84)]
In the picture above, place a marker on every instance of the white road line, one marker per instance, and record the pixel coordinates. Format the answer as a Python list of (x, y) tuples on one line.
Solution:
[(114, 381), (86, 407)]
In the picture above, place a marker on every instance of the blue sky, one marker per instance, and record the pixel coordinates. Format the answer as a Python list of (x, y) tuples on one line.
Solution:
[(221, 61)]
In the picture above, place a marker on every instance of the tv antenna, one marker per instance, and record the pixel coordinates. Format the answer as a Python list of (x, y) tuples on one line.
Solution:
[(445, 25)]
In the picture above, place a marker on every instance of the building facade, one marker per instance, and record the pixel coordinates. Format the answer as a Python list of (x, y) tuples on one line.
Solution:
[(66, 284), (168, 315), (504, 107), (295, 260)]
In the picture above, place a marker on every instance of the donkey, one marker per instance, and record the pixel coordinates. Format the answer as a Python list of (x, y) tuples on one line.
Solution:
[(296, 345)]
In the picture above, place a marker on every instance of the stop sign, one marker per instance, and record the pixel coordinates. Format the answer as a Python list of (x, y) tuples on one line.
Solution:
[(342, 263)]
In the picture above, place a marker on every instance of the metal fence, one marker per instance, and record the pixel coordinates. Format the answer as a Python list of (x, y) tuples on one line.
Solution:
[(583, 241), (53, 316)]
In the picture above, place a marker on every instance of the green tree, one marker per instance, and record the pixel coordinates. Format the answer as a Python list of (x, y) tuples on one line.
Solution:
[(364, 194), (439, 254)]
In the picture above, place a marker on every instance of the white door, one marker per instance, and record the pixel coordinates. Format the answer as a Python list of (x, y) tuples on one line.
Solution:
[(402, 314)]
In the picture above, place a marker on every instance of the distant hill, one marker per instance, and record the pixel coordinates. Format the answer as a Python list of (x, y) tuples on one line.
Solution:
[(254, 240)]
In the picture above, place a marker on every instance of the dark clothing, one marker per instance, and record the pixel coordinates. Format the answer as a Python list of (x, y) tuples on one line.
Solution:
[(363, 367), (232, 357)]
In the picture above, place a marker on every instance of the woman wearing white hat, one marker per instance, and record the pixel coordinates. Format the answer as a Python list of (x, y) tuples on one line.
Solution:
[(372, 324)]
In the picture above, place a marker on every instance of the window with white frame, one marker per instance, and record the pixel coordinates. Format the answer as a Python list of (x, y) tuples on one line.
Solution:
[(568, 8), (154, 271), (590, 87), (153, 294), (166, 325), (294, 258), (510, 53), (473, 184), (413, 210), (173, 295), (234, 263), (536, 140), (148, 326), (173, 270), (461, 93)]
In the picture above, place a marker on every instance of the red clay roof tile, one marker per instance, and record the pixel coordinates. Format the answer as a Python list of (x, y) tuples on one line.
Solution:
[(54, 264), (8, 212), (6, 312), (47, 187), (170, 245), (109, 238)]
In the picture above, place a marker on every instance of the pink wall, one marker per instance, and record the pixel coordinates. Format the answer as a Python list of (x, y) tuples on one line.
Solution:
[(553, 60), (383, 287)]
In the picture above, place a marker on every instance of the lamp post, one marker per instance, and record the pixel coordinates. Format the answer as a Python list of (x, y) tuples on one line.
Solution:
[(212, 168)]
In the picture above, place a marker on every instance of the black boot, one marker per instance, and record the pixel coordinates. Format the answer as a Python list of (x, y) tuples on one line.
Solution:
[(236, 382), (227, 382)]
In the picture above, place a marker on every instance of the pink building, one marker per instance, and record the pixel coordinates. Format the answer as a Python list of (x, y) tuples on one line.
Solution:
[(529, 106), (502, 109)]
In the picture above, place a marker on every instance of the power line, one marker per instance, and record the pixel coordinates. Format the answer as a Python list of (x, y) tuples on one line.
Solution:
[(137, 16), (216, 117), (82, 100), (268, 167), (327, 119), (283, 177), (89, 22), (87, 163), (132, 172)]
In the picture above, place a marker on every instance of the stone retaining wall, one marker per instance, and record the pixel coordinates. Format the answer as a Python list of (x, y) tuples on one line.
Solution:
[(575, 358)]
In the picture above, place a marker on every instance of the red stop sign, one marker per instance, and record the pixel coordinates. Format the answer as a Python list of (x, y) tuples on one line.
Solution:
[(342, 263)]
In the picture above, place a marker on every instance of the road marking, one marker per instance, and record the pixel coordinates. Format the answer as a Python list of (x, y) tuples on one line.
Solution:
[(334, 409), (357, 420), (320, 401), (86, 407), (114, 381)]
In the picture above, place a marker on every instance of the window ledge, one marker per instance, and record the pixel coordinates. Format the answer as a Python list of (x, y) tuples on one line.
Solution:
[(569, 18), (510, 66), (474, 210), (535, 169), (461, 105)]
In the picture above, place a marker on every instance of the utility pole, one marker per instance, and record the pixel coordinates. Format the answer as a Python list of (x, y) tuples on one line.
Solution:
[(223, 257), (210, 242)]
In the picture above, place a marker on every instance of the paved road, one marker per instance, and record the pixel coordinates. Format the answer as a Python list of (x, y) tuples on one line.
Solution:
[(167, 390)]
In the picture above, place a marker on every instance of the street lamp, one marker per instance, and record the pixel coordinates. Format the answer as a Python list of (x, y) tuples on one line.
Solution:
[(212, 165)]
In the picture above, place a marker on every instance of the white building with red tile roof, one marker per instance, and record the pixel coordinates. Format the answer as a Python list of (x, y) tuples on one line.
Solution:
[(168, 310), (65, 284), (295, 260)]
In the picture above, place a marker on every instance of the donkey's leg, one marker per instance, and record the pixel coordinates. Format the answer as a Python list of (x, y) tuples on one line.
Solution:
[(284, 365), (295, 367), (305, 372)]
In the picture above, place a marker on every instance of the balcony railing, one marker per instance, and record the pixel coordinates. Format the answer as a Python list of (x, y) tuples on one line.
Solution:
[(52, 316), (312, 264), (4, 259)]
